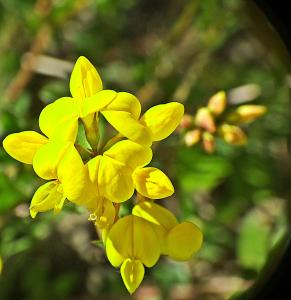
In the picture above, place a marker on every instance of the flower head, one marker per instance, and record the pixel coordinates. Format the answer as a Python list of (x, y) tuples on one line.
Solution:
[(101, 172)]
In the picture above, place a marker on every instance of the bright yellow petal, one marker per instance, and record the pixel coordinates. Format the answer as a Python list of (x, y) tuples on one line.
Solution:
[(60, 119), (183, 241), (152, 183), (163, 119), (96, 103), (132, 273), (23, 145), (124, 123), (119, 241), (71, 173), (155, 214), (48, 196), (131, 154), (125, 102), (133, 237), (85, 80), (146, 246), (48, 157), (114, 180)]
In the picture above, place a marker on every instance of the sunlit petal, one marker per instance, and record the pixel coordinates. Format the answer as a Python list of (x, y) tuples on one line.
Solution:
[(124, 123), (131, 154), (152, 183), (71, 173), (85, 80), (60, 118), (23, 145), (189, 238), (155, 214), (97, 102), (48, 196), (114, 180), (132, 273), (163, 119), (126, 102), (48, 157)]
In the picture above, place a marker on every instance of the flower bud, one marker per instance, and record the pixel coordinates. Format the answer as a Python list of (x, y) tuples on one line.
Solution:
[(192, 137), (246, 113), (205, 120), (208, 142), (217, 103), (233, 135), (186, 122)]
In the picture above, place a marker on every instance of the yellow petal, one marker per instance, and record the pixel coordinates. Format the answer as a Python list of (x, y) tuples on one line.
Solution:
[(85, 80), (71, 173), (114, 180), (152, 183), (155, 214), (1, 265), (48, 196), (183, 241), (96, 103), (132, 273), (124, 123), (163, 119), (132, 237), (48, 157), (60, 119), (23, 145), (117, 248), (126, 102), (131, 154)]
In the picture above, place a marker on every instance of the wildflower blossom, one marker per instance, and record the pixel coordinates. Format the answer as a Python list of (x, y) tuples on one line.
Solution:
[(101, 175)]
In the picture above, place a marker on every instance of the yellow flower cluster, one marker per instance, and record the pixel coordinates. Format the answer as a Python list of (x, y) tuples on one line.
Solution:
[(213, 120), (101, 174)]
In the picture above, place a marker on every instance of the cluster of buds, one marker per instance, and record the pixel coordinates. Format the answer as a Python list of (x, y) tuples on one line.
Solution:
[(215, 120), (101, 172)]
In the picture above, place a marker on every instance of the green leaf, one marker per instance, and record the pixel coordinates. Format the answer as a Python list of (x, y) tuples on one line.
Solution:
[(253, 240), (199, 171)]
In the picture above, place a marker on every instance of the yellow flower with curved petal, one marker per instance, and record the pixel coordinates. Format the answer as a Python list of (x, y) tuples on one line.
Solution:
[(186, 234), (132, 243), (163, 119), (62, 163), (111, 172), (122, 110), (152, 183), (22, 146)]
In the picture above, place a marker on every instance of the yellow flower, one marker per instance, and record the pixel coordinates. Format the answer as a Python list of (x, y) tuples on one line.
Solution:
[(171, 233), (22, 146), (60, 162), (152, 183), (132, 243), (122, 110), (111, 172)]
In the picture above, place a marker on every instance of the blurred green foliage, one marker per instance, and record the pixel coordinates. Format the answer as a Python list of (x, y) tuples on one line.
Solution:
[(160, 51)]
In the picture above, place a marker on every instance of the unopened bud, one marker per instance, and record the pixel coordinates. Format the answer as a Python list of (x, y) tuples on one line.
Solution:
[(217, 103), (186, 122), (192, 137), (205, 120), (246, 113), (208, 142), (233, 135)]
